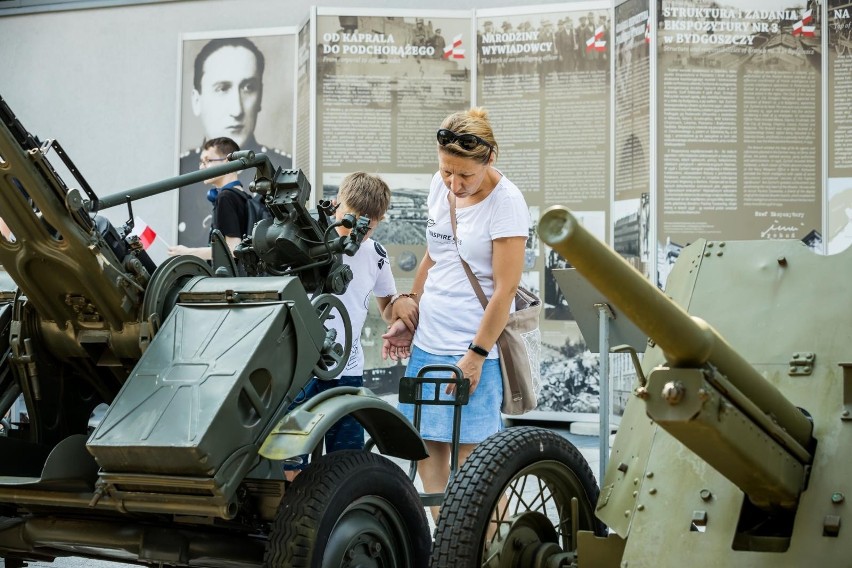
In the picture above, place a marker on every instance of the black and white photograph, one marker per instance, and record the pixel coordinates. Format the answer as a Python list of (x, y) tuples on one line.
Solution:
[(531, 280), (667, 254), (544, 43), (570, 376), (786, 39), (839, 214), (533, 247), (630, 230), (555, 305), (405, 220), (385, 83), (241, 86)]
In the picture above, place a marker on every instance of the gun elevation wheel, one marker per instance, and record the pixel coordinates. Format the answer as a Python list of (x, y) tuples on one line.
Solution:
[(517, 502), (334, 355), (167, 282), (350, 508)]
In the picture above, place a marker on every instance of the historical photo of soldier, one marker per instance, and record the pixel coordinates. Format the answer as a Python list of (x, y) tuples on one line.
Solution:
[(241, 87), (566, 45)]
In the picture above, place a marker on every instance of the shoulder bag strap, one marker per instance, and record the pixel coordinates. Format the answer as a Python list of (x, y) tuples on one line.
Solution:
[(470, 276), (509, 380)]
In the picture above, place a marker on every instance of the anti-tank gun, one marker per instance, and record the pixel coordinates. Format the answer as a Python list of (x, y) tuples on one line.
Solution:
[(199, 367), (742, 462)]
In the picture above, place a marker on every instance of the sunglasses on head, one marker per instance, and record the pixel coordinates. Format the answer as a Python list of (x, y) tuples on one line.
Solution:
[(466, 141)]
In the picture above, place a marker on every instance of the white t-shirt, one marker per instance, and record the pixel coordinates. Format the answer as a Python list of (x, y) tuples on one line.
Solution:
[(371, 275), (450, 312)]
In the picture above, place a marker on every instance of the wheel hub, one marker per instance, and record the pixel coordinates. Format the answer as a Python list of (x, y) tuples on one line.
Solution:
[(530, 542), (365, 537)]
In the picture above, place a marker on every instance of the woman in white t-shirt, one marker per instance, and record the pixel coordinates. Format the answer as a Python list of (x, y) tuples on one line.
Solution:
[(442, 310)]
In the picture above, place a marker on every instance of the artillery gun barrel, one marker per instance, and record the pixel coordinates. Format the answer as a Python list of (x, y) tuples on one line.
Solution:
[(686, 341), (238, 161)]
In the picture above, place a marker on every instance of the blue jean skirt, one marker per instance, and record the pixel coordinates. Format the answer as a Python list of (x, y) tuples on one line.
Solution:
[(481, 415)]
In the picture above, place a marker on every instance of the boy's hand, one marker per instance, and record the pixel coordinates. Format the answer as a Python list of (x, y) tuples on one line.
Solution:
[(396, 343), (178, 249), (407, 310)]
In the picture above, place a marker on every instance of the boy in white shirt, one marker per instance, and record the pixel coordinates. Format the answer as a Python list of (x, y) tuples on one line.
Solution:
[(366, 195)]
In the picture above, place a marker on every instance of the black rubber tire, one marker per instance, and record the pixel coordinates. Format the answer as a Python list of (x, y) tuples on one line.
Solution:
[(346, 502), (507, 456)]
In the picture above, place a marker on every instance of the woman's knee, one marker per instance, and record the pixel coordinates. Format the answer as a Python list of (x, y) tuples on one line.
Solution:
[(437, 450)]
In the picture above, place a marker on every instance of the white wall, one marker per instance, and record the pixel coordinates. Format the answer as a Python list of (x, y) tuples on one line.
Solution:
[(104, 81)]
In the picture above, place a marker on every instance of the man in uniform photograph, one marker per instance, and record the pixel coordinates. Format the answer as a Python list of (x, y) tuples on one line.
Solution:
[(227, 93)]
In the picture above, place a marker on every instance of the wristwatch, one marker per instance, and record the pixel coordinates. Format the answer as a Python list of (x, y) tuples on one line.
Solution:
[(395, 297), (478, 350)]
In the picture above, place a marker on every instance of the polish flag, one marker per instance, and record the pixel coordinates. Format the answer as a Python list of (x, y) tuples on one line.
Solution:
[(600, 44), (648, 32), (147, 235), (590, 44), (152, 243), (454, 50), (800, 27)]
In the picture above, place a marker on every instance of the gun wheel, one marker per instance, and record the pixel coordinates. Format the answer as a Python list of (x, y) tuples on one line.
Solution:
[(167, 282), (334, 356), (517, 502), (348, 509)]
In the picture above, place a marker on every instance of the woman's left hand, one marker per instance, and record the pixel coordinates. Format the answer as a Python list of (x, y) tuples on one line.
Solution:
[(407, 310), (471, 368)]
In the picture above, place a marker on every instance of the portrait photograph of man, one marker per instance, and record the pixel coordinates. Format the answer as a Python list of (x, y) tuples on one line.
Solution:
[(239, 86)]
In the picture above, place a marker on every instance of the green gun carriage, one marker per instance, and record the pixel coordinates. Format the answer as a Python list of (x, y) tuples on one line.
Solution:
[(190, 370)]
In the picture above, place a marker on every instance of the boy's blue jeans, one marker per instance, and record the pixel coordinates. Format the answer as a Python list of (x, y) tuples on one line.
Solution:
[(347, 433)]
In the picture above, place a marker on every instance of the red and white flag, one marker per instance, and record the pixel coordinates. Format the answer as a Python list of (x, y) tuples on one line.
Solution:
[(147, 235), (600, 44), (648, 32), (596, 42), (154, 244), (801, 27), (455, 49)]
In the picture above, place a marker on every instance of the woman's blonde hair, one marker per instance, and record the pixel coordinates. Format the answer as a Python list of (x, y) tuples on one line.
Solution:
[(472, 121)]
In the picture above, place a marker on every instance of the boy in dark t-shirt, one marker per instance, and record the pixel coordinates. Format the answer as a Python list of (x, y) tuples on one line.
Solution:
[(230, 215)]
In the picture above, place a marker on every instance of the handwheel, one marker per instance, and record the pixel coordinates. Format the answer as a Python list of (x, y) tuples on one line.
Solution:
[(517, 502), (334, 356), (350, 509), (167, 282)]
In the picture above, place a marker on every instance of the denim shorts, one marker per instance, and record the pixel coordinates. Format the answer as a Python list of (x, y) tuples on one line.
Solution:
[(480, 417)]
